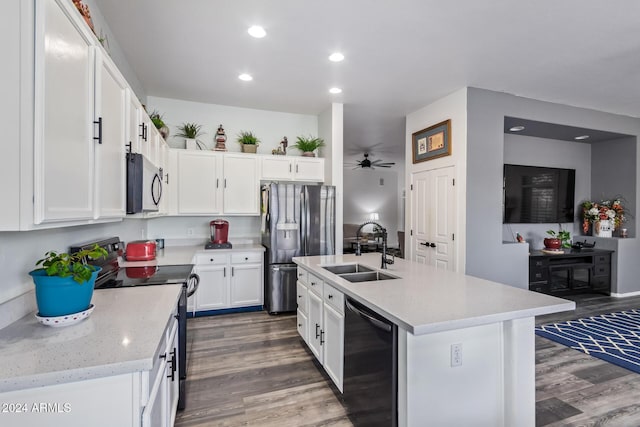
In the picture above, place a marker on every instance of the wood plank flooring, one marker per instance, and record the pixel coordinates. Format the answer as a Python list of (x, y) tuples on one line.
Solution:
[(252, 369)]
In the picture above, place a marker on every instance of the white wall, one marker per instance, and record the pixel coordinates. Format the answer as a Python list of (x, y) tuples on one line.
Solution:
[(240, 228), (20, 250), (366, 194), (269, 126), (530, 151), (453, 107)]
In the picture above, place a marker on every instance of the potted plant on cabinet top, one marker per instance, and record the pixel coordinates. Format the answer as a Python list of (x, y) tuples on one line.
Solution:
[(156, 118), (308, 144), (190, 132), (64, 283), (560, 239), (248, 141)]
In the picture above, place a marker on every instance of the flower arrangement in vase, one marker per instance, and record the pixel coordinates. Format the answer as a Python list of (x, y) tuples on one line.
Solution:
[(605, 216)]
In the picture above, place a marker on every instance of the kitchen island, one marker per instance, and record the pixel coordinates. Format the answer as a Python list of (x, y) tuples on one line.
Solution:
[(493, 382)]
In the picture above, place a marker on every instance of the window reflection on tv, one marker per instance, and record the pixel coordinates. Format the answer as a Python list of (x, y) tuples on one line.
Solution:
[(535, 194)]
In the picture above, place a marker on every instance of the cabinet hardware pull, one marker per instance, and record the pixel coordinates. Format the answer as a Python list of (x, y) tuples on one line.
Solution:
[(299, 296), (211, 260), (313, 283), (99, 137), (128, 146), (299, 325), (232, 271), (163, 356), (141, 130), (425, 244), (433, 245), (167, 175), (144, 131), (321, 337), (330, 296), (225, 183), (317, 333), (296, 168), (246, 258), (173, 365), (217, 183), (225, 272)]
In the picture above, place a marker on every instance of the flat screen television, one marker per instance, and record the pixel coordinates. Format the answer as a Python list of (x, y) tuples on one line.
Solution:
[(534, 194)]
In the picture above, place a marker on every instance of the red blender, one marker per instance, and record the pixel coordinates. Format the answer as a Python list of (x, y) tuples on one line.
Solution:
[(219, 235)]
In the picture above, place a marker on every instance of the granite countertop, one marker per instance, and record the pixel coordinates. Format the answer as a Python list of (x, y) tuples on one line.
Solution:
[(120, 336), (179, 255), (424, 299)]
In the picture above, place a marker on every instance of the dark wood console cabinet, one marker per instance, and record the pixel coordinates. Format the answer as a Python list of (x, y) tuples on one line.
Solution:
[(587, 270)]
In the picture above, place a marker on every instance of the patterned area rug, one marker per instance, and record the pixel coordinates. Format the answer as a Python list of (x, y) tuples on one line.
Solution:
[(612, 337)]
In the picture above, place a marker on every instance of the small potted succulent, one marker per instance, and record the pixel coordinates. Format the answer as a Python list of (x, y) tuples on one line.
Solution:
[(64, 282), (248, 141), (156, 118), (190, 132), (308, 144)]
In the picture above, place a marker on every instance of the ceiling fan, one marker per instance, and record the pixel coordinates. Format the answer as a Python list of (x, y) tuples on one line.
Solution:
[(366, 163)]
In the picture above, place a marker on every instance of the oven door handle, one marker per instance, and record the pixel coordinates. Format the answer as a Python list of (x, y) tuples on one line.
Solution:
[(366, 317), (193, 283)]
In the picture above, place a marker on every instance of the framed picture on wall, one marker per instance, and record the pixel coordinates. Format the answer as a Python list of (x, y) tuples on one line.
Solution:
[(432, 142)]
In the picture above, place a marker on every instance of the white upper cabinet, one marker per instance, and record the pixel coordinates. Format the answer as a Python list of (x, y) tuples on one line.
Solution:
[(290, 168), (111, 103), (134, 124), (199, 183), (63, 119), (241, 184)]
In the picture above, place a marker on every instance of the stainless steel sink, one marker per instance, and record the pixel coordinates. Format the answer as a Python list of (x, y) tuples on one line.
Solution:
[(367, 276), (347, 268)]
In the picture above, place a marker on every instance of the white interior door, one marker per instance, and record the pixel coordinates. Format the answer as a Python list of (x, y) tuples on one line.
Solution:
[(433, 218)]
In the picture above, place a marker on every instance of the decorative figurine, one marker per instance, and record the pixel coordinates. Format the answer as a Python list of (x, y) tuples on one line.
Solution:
[(221, 138), (284, 143)]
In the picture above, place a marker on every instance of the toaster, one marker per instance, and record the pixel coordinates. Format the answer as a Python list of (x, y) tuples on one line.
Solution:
[(141, 250)]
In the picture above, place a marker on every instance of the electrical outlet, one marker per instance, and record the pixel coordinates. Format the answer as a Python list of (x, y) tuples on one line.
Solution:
[(189, 231), (142, 233), (456, 355)]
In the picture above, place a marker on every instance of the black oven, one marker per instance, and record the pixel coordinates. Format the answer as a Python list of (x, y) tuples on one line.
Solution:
[(112, 276)]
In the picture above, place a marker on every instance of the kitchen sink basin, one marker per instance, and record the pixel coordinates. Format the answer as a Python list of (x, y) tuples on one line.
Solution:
[(367, 276), (347, 268)]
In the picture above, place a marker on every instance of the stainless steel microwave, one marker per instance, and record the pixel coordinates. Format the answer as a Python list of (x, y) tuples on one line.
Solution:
[(144, 184)]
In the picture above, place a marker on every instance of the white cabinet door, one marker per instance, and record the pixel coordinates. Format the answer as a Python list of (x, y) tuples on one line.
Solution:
[(332, 340), (213, 291), (163, 160), (198, 183), (153, 142), (111, 104), (241, 184), (309, 169), (172, 377), (315, 325), (246, 285), (63, 122), (155, 413), (276, 167), (134, 124), (146, 137), (303, 328)]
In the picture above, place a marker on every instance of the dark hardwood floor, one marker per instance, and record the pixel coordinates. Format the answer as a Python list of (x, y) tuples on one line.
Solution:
[(252, 369)]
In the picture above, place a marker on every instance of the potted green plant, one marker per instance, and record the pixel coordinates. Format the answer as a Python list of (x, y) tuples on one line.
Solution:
[(159, 123), (248, 141), (64, 282), (190, 132), (560, 239), (308, 144)]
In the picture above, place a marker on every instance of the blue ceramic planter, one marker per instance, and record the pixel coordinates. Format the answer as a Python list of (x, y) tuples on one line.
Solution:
[(59, 296)]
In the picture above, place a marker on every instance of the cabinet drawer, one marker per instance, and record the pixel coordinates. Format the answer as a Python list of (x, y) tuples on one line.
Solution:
[(303, 275), (302, 325), (538, 274), (539, 287), (334, 298), (246, 257), (315, 284), (602, 259), (302, 297), (535, 263), (601, 270), (211, 259), (601, 283)]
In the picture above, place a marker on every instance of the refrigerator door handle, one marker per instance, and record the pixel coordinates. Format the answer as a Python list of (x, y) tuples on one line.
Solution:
[(307, 219)]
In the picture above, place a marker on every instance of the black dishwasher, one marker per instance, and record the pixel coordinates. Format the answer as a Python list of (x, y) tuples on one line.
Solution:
[(370, 389)]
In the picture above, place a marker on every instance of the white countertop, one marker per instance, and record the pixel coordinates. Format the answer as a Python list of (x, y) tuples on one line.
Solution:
[(120, 336), (425, 300), (179, 255)]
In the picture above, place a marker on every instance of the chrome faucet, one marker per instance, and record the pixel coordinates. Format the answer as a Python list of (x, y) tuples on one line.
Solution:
[(383, 231)]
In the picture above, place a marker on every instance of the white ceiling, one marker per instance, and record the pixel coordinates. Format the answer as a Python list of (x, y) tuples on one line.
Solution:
[(400, 55)]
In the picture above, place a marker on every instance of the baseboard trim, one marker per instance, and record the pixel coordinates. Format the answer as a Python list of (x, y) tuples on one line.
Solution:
[(225, 311), (625, 295)]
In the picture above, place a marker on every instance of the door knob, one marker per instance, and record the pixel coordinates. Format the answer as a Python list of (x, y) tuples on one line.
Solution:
[(425, 244), (433, 245)]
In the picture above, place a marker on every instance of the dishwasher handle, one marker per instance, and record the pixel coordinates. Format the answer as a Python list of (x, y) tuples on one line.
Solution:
[(193, 283), (368, 318)]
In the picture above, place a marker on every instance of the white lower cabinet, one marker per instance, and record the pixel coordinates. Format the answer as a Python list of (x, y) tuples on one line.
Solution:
[(320, 323), (230, 279)]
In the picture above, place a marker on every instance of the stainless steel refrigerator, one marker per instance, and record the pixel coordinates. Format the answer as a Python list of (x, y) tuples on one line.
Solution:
[(297, 220)]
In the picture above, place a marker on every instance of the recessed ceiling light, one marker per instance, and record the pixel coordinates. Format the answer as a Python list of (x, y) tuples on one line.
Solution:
[(516, 128), (581, 137), (335, 90), (245, 77), (257, 31), (336, 57)]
